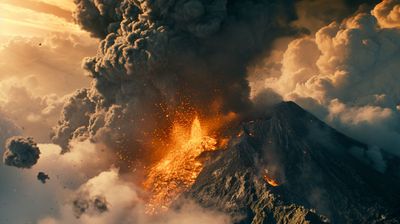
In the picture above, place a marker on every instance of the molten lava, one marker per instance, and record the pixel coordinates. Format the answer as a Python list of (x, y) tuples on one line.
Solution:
[(178, 170), (269, 180)]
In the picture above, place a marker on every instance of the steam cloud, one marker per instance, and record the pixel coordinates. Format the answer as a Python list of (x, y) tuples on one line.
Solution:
[(7, 129), (158, 59), (111, 198), (21, 152), (348, 77), (37, 74), (82, 205), (388, 13)]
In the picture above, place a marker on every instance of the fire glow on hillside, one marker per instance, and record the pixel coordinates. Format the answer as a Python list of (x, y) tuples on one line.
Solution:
[(180, 167), (269, 180)]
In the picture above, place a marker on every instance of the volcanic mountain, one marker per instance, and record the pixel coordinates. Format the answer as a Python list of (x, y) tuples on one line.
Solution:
[(287, 166)]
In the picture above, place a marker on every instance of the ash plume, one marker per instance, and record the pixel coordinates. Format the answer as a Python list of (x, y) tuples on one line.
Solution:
[(21, 152), (316, 14), (158, 59)]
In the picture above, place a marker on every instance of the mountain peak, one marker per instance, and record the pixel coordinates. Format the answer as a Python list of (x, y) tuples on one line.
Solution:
[(288, 166), (288, 107)]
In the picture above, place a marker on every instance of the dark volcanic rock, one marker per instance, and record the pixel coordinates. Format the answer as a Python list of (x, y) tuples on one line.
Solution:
[(312, 164)]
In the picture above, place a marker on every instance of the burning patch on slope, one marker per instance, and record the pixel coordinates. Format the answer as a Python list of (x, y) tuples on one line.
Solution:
[(180, 167), (270, 180)]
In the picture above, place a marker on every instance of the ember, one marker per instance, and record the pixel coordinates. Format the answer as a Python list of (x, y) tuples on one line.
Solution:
[(179, 169)]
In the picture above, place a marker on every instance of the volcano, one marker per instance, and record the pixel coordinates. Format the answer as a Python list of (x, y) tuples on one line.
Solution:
[(287, 166)]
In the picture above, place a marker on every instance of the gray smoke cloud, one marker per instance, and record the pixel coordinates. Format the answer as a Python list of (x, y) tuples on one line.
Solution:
[(21, 152), (42, 177), (154, 58), (74, 118), (161, 59), (82, 204), (314, 14), (99, 17)]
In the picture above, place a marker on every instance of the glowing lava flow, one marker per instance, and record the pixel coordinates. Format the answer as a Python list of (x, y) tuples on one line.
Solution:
[(178, 170), (269, 180)]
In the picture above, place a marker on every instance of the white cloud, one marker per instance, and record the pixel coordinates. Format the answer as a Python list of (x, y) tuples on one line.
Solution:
[(36, 74), (388, 13), (348, 74), (27, 199), (126, 205), (86, 171)]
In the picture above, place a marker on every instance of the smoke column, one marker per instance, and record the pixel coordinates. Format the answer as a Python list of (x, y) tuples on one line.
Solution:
[(158, 60)]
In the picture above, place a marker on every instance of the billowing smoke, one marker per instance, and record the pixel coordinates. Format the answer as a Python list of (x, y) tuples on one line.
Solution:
[(388, 13), (348, 75), (315, 14), (21, 152), (82, 205), (74, 118), (112, 198), (160, 59)]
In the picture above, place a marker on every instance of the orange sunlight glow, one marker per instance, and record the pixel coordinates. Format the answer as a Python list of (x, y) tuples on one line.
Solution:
[(179, 168)]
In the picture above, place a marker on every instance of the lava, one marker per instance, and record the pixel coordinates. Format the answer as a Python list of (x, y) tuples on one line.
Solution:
[(179, 168), (269, 180)]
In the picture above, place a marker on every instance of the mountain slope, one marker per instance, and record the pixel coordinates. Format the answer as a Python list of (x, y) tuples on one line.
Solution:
[(289, 167)]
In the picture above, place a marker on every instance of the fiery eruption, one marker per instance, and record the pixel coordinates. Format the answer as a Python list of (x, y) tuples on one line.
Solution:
[(180, 167)]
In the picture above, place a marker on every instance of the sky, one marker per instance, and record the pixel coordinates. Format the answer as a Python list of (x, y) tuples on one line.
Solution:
[(36, 18), (102, 82), (40, 45)]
